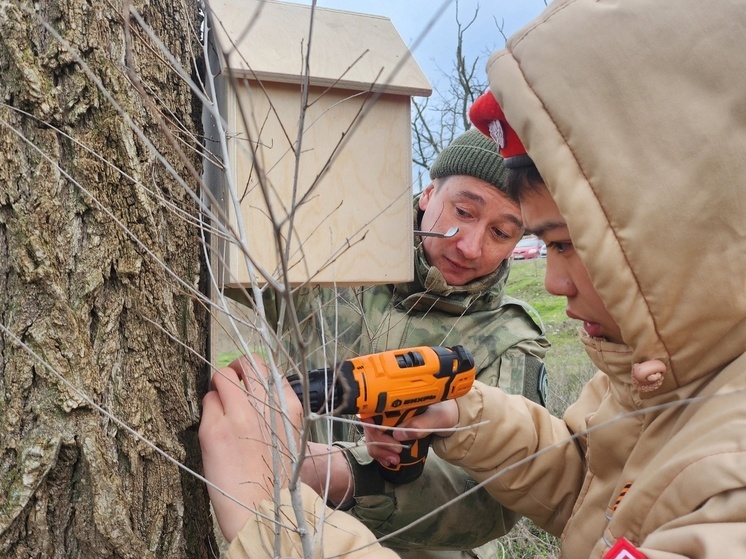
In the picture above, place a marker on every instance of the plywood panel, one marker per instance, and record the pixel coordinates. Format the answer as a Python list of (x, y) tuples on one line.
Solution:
[(347, 217)]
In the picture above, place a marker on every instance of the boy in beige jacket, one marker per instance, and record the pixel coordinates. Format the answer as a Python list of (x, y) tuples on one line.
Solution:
[(629, 122)]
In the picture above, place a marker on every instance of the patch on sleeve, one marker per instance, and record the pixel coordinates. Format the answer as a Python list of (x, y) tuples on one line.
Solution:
[(535, 380), (623, 549), (543, 385)]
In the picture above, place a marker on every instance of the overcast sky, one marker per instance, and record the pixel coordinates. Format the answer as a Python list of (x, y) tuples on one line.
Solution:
[(437, 48)]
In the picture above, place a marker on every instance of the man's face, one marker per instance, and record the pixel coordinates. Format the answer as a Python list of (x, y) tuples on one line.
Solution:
[(566, 275), (489, 227)]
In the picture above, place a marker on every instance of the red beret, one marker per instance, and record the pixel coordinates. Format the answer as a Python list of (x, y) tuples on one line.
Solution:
[(488, 117)]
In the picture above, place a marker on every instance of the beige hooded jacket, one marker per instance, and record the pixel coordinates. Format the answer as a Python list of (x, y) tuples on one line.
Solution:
[(634, 112)]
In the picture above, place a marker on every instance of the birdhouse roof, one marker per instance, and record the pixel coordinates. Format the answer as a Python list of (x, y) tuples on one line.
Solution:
[(269, 41)]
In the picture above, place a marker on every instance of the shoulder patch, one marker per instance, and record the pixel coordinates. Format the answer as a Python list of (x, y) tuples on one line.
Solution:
[(535, 380)]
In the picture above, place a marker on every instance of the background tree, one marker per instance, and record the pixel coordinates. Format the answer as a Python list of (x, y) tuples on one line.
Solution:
[(438, 119), (100, 261)]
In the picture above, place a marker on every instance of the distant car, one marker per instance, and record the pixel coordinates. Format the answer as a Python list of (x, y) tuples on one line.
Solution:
[(527, 248), (543, 251)]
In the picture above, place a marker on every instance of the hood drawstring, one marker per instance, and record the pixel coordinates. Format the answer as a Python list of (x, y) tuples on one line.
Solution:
[(648, 375)]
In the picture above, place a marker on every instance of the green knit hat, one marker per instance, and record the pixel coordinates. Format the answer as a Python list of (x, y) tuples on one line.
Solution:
[(473, 154)]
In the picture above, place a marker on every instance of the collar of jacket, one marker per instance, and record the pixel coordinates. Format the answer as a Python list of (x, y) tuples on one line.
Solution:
[(613, 359), (429, 290), (617, 361)]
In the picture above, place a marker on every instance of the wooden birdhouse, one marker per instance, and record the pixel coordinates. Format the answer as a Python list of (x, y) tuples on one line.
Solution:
[(312, 162)]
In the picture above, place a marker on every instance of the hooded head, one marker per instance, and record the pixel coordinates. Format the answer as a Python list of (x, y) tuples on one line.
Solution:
[(638, 127), (468, 195)]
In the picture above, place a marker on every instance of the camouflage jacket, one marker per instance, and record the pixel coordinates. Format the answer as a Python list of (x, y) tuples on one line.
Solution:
[(508, 345)]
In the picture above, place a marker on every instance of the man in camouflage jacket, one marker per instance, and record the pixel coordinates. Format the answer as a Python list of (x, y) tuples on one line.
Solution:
[(459, 299)]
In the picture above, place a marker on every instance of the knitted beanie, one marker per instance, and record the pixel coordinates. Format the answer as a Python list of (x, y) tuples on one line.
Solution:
[(473, 154)]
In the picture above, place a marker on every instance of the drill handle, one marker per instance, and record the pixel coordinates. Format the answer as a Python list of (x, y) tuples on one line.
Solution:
[(411, 462), (413, 454)]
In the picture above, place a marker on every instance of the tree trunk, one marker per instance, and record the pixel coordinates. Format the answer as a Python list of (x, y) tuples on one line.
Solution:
[(94, 231)]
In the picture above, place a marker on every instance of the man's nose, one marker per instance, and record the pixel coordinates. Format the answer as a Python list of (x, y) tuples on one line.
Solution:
[(470, 241)]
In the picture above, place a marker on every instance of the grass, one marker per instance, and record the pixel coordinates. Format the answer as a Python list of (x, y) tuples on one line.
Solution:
[(225, 359), (568, 366), (526, 282)]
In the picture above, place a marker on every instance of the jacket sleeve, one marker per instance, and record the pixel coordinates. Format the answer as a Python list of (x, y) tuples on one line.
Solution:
[(527, 459), (330, 533)]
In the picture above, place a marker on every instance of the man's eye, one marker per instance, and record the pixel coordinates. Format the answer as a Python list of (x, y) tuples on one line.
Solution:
[(461, 212), (500, 234)]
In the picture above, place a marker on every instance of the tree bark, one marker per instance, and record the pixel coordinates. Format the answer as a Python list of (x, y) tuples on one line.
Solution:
[(91, 246)]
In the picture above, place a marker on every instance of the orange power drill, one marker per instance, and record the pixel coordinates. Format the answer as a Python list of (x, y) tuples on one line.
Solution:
[(390, 387)]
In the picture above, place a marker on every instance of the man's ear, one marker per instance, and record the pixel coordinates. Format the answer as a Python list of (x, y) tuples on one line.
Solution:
[(426, 195)]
